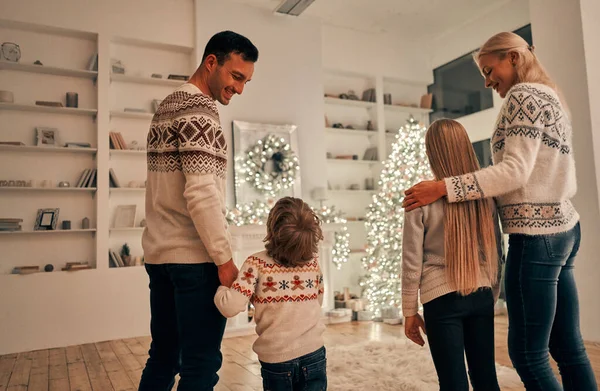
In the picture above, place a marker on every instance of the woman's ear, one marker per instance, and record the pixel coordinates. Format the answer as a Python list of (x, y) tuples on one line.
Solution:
[(514, 57)]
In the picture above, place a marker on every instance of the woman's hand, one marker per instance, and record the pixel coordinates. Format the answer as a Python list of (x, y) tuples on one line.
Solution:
[(423, 193), (411, 329)]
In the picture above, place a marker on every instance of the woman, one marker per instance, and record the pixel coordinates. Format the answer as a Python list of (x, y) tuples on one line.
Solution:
[(451, 258), (533, 180)]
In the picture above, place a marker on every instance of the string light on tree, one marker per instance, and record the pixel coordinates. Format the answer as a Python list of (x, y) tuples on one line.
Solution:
[(406, 165)]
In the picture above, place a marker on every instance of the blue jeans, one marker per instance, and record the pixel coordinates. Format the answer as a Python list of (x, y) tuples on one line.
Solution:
[(543, 312), (186, 327), (306, 373)]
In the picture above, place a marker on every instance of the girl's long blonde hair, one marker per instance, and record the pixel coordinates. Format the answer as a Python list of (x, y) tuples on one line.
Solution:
[(470, 238)]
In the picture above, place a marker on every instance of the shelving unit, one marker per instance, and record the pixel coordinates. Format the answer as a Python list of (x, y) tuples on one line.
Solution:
[(35, 149), (49, 189), (48, 109), (52, 232), (145, 80), (48, 70)]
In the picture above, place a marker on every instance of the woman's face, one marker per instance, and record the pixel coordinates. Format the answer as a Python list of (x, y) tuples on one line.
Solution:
[(499, 74)]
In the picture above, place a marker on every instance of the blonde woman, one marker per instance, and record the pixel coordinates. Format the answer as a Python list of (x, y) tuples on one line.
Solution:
[(451, 255), (533, 180)]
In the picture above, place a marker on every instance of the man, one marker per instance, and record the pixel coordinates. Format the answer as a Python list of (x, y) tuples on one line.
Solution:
[(186, 241)]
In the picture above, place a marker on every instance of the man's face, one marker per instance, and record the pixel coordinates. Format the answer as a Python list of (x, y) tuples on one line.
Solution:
[(228, 79)]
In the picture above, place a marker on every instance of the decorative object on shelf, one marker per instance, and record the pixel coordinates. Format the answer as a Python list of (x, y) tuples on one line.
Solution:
[(143, 223), (351, 95), (135, 146), (10, 51), (15, 183), (48, 103), (44, 183), (85, 223), (46, 219), (76, 144), (64, 184), (74, 266), (72, 99), (117, 67), (49, 268), (66, 224), (7, 96), (155, 104), (37, 62), (25, 269), (354, 186), (337, 126), (178, 77), (350, 127), (137, 261), (426, 101), (10, 224), (46, 136), (406, 165), (93, 63), (387, 99), (369, 184), (270, 165), (125, 216), (370, 125), (125, 255), (369, 95), (156, 76)]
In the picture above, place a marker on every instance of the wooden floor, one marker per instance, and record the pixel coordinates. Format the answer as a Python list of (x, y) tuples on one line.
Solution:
[(117, 365)]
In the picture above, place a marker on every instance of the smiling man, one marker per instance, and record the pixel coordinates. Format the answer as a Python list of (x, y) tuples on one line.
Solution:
[(186, 241)]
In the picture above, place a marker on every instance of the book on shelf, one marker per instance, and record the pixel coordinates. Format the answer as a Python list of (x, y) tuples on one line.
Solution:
[(115, 259), (71, 266), (25, 269), (10, 225), (113, 181), (117, 141), (77, 145), (87, 178)]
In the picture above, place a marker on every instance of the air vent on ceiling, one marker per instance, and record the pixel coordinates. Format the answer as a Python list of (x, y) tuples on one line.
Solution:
[(293, 7)]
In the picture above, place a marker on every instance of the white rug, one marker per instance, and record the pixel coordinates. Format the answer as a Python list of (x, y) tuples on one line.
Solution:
[(397, 365)]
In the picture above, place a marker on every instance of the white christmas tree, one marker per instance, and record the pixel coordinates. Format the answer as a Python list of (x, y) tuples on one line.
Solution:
[(406, 165)]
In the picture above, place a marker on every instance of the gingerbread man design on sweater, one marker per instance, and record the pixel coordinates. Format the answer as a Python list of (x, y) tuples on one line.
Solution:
[(297, 283), (270, 285), (248, 276)]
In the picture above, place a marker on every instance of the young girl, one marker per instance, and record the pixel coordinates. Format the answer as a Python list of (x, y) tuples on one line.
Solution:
[(285, 285), (451, 256)]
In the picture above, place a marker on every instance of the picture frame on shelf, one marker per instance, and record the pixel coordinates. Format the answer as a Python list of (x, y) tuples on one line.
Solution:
[(125, 216), (46, 219), (46, 137)]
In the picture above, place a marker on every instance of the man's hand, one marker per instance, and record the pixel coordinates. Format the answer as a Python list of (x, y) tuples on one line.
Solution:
[(411, 329), (228, 272), (423, 193)]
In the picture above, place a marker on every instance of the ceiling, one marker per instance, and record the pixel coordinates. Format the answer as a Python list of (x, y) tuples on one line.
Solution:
[(412, 19)]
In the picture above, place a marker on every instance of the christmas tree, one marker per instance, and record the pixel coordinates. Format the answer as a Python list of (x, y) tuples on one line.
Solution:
[(406, 165)]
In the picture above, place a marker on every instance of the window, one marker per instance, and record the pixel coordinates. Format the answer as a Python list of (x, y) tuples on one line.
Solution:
[(458, 87)]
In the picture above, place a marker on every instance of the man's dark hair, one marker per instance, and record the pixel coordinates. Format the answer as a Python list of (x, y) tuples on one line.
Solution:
[(226, 42)]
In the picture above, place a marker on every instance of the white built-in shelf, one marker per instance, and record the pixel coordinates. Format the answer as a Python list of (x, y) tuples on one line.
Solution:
[(350, 192), (407, 109), (153, 45), (126, 152), (352, 132), (131, 114), (127, 229), (33, 148), (49, 189), (48, 109), (56, 231), (127, 189), (353, 162), (47, 30), (48, 70), (145, 80), (349, 102)]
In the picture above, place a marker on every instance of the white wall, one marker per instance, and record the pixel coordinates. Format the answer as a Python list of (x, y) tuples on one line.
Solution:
[(563, 54), (58, 309), (469, 36), (287, 85)]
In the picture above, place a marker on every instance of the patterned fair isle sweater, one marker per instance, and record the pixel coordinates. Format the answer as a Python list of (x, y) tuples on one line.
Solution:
[(185, 191), (533, 176), (287, 302)]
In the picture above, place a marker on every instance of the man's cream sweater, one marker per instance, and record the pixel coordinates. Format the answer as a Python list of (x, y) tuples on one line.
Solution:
[(185, 191)]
